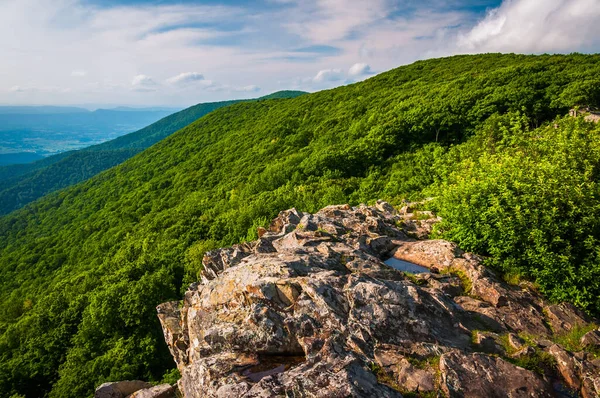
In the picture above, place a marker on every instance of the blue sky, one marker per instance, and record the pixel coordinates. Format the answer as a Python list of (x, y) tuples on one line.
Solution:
[(177, 53)]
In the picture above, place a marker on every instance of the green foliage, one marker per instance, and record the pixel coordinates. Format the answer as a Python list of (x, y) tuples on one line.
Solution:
[(530, 200), (95, 259), (539, 362), (572, 339)]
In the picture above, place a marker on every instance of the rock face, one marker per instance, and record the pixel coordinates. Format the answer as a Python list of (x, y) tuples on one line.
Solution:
[(478, 375), (311, 310), (120, 389), (161, 391)]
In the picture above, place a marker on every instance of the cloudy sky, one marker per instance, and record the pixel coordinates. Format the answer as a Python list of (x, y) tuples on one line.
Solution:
[(178, 53)]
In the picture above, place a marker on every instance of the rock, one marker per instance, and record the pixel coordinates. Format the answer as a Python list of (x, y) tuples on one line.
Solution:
[(120, 389), (310, 307), (432, 253), (286, 221), (490, 291), (488, 342), (515, 342), (580, 371), (526, 351), (567, 366), (564, 317), (413, 379), (216, 261), (591, 339), (160, 391), (385, 207), (261, 231), (479, 375), (170, 317), (264, 246)]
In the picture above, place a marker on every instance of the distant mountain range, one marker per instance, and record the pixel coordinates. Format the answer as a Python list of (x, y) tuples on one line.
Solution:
[(44, 131), (60, 110)]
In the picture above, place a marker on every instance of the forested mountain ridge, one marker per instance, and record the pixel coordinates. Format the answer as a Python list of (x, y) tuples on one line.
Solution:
[(83, 269), (21, 184)]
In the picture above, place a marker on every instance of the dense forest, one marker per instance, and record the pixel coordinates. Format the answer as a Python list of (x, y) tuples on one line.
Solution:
[(486, 136), (24, 183)]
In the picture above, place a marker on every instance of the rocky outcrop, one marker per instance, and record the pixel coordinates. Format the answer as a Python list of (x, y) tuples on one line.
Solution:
[(312, 310)]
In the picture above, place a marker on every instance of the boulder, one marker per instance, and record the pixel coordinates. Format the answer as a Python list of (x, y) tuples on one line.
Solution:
[(564, 317), (479, 375), (413, 379), (120, 389), (567, 366), (591, 339), (160, 391)]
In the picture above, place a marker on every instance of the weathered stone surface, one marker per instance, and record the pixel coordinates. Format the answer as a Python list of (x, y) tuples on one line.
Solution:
[(567, 366), (488, 342), (414, 379), (564, 317), (120, 389), (479, 375), (515, 342), (591, 339), (310, 308), (160, 391), (580, 371)]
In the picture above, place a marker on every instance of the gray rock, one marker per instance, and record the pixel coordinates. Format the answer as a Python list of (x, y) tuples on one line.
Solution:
[(479, 375), (564, 317), (120, 389), (591, 339), (160, 391)]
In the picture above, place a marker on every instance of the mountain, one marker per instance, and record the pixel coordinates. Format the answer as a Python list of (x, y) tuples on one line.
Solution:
[(154, 109), (18, 158), (82, 269), (40, 131), (22, 184)]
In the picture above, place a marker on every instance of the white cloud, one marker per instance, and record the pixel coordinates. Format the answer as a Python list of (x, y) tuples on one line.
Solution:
[(527, 26), (78, 73), (249, 89), (143, 83), (185, 78), (41, 89), (114, 43), (359, 69), (328, 75), (331, 20)]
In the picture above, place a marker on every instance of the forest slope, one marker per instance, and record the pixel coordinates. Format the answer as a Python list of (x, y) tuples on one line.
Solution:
[(83, 269), (22, 184)]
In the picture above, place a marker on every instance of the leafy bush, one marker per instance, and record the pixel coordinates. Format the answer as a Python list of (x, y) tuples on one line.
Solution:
[(530, 200)]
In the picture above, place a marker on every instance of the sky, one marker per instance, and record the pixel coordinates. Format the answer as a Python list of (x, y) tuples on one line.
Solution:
[(179, 53)]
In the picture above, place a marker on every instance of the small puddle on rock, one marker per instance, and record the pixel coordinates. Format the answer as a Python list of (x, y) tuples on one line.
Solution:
[(405, 266), (270, 365)]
